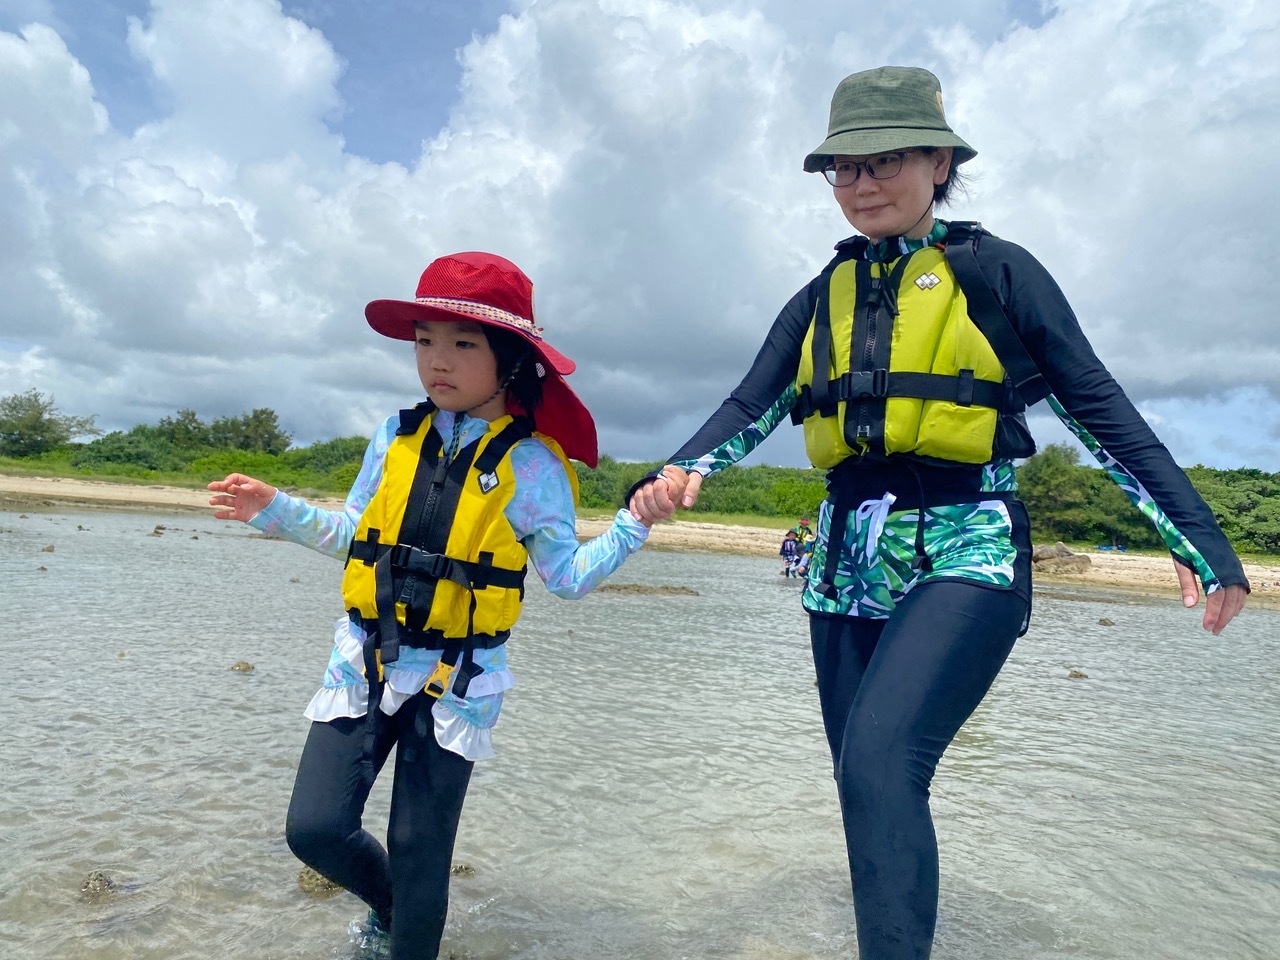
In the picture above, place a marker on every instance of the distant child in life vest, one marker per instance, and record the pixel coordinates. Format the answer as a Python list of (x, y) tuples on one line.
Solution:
[(790, 553), (454, 497)]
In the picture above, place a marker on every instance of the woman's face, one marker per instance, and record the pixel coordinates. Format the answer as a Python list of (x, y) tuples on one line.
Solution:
[(899, 206)]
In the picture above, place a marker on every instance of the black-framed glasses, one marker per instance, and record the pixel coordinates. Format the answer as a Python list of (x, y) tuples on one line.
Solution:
[(883, 166)]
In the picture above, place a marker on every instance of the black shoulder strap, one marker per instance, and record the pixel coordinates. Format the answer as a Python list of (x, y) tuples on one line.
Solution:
[(518, 429), (411, 419), (988, 314), (819, 396)]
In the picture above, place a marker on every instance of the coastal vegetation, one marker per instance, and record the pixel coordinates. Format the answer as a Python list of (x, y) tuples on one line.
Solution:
[(1067, 500)]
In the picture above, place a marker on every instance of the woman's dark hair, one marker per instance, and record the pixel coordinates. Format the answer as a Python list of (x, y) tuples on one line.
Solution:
[(511, 349), (955, 184)]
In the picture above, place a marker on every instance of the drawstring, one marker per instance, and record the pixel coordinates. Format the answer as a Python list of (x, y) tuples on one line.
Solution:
[(455, 439), (877, 512), (921, 560)]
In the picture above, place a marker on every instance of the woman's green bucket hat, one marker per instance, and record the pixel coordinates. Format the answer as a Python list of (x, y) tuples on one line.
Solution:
[(885, 109)]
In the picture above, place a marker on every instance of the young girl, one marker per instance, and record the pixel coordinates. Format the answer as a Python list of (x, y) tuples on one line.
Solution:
[(908, 362), (453, 497)]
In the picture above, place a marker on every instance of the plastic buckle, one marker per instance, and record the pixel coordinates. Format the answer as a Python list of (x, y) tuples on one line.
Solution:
[(437, 684), (880, 383)]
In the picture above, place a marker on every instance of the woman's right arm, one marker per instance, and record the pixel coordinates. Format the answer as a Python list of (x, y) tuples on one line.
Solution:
[(750, 413)]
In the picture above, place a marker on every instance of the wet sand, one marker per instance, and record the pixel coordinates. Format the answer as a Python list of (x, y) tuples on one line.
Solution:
[(1152, 576)]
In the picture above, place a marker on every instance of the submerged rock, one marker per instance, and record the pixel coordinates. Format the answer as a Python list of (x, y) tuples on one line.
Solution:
[(242, 666), (460, 869), (641, 588), (316, 886), (98, 886), (1074, 674), (1106, 622)]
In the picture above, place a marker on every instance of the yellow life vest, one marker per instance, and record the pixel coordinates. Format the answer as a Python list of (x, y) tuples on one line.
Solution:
[(893, 364), (434, 558)]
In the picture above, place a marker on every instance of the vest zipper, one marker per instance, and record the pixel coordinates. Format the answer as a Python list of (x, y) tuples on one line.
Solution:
[(863, 431)]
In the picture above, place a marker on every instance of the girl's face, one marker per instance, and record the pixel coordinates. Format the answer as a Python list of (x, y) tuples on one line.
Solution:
[(902, 205), (458, 369)]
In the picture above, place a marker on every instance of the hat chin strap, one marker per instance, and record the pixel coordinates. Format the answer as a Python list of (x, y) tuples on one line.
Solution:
[(501, 387)]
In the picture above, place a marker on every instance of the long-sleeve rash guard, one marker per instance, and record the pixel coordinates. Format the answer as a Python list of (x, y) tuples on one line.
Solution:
[(1084, 395)]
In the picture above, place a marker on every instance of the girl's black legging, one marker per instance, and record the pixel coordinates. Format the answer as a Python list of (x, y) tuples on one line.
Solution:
[(407, 884), (893, 694)]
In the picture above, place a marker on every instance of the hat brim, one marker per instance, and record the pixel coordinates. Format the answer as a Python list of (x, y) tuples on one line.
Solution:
[(861, 143), (396, 319), (566, 419)]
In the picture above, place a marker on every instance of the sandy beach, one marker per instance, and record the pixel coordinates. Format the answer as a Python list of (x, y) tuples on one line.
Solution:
[(1147, 575)]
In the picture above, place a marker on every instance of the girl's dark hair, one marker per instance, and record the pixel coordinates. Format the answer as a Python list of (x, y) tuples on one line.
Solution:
[(510, 349), (955, 184)]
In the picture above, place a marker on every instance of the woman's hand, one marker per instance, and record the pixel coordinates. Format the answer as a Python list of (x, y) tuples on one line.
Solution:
[(1220, 607), (242, 497), (659, 499)]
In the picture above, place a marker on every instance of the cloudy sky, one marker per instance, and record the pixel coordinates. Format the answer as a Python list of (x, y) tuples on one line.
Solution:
[(197, 197)]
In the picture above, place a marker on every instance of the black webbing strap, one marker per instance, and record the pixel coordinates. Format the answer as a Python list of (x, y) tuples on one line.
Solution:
[(411, 419), (882, 312), (428, 520), (373, 675), (962, 388), (987, 313), (515, 431), (835, 544), (820, 355)]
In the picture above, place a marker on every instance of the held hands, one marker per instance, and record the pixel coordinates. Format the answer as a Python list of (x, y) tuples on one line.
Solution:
[(242, 498), (659, 499), (1220, 607)]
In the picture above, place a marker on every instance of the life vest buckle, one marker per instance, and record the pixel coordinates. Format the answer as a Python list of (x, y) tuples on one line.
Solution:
[(879, 383), (437, 684)]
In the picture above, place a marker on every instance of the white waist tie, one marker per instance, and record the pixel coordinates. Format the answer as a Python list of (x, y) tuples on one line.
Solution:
[(877, 512)]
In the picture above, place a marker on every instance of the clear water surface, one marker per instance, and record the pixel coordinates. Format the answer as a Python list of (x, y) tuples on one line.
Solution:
[(672, 799)]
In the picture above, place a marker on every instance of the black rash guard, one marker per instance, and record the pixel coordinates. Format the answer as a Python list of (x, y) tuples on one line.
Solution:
[(1080, 383)]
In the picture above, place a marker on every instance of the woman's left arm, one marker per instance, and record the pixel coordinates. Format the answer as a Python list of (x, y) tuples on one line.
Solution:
[(1090, 402)]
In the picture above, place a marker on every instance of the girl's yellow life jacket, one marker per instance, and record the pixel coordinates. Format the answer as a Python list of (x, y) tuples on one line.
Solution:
[(461, 559), (900, 367)]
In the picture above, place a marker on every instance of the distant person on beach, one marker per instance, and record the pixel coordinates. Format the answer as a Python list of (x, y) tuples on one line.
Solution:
[(790, 552), (803, 530), (909, 361), (454, 497)]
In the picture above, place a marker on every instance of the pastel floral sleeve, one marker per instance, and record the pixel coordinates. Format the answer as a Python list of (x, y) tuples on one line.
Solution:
[(542, 515), (328, 531)]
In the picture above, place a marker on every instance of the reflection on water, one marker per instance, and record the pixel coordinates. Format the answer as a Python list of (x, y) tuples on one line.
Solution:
[(662, 788)]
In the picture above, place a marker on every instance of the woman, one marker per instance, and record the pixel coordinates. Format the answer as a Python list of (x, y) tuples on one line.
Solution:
[(909, 361)]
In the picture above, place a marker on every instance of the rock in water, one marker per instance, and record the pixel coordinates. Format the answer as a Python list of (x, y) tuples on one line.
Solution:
[(316, 886), (97, 886), (1075, 564)]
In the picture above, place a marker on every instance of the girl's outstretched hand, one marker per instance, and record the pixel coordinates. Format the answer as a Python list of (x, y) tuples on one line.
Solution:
[(241, 498), (1220, 607)]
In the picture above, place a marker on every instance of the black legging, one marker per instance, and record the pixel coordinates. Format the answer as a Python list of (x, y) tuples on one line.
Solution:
[(324, 829), (894, 693)]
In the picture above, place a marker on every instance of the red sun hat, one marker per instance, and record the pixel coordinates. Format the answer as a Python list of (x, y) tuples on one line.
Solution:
[(487, 289)]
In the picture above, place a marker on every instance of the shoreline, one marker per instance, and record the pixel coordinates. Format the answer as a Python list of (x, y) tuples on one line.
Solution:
[(1133, 574)]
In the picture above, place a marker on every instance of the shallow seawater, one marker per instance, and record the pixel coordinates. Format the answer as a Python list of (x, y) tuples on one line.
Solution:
[(662, 788)]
